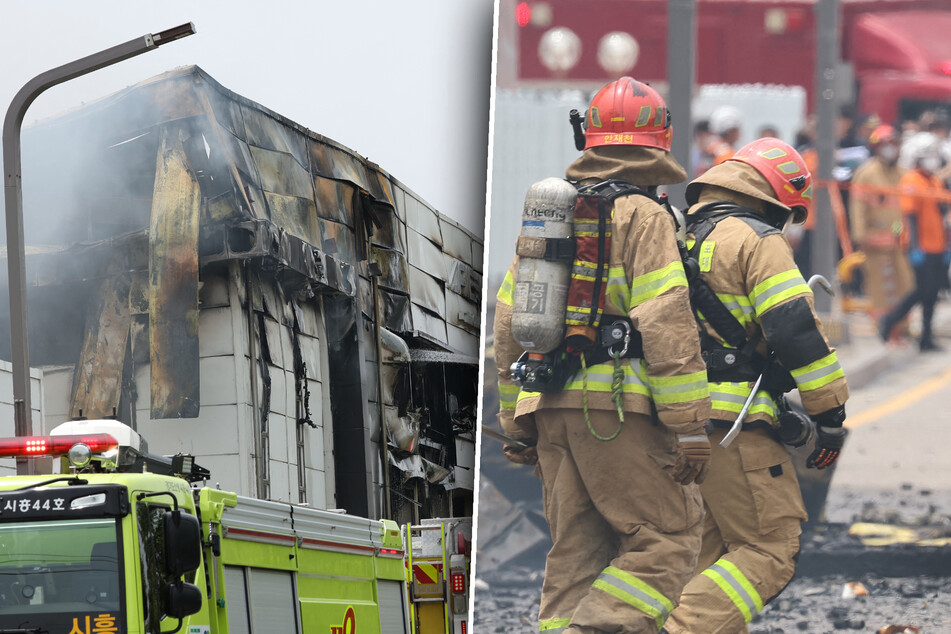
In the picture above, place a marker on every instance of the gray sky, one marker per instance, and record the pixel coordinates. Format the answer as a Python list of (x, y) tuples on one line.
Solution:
[(405, 84)]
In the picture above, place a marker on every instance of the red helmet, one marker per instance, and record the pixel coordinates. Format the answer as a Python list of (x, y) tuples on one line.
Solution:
[(784, 169), (881, 134), (627, 112)]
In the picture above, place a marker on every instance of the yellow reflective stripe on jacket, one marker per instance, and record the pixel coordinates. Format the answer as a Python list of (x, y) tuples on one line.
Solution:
[(739, 306), (667, 390), (555, 626), (631, 590), (508, 395), (818, 373), (730, 397), (618, 292), (736, 586), (600, 377), (505, 291), (650, 285), (777, 289)]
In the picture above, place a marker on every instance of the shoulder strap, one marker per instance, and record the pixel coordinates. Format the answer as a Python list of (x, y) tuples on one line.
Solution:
[(702, 298), (614, 188)]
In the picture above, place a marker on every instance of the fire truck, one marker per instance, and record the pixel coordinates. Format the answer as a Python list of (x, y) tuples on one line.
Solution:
[(125, 541), (896, 51)]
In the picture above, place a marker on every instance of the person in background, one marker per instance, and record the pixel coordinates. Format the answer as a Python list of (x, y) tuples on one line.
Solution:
[(875, 219), (725, 123), (768, 131), (924, 234), (700, 161)]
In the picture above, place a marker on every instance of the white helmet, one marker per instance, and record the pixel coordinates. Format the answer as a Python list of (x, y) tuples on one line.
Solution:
[(725, 118), (921, 146)]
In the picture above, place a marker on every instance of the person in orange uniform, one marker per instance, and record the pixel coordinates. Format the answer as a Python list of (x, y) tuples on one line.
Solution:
[(925, 239)]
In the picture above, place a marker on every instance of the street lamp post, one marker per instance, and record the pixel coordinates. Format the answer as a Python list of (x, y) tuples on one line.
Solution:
[(13, 199)]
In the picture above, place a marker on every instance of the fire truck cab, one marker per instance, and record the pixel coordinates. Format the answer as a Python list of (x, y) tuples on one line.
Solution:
[(126, 544)]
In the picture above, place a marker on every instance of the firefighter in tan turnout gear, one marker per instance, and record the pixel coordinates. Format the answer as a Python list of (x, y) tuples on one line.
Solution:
[(753, 504), (624, 514)]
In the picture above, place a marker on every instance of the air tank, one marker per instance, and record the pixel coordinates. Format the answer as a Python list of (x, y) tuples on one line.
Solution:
[(541, 284)]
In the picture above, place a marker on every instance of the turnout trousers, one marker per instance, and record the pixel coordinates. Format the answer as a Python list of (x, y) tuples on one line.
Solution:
[(750, 535), (626, 536)]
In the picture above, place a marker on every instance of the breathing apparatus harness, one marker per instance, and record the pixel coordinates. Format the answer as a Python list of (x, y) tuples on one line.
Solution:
[(591, 336), (738, 361)]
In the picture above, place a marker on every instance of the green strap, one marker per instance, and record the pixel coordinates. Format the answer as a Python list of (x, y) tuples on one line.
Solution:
[(616, 396)]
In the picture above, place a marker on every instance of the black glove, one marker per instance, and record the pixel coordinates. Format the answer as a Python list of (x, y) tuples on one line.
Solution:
[(520, 454), (830, 436)]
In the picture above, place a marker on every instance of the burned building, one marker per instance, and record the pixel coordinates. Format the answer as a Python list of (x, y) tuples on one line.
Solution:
[(235, 286)]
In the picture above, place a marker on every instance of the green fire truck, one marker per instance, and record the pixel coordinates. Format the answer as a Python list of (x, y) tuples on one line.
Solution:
[(125, 542)]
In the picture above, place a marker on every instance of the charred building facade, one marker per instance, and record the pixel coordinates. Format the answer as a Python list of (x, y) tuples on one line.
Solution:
[(240, 288)]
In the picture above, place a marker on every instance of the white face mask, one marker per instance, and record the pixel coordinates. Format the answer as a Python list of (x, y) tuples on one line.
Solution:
[(930, 163), (889, 153)]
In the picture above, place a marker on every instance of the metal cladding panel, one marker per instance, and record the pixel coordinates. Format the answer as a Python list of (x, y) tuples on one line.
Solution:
[(426, 256), (297, 216), (97, 386), (282, 174), (337, 240), (396, 311), (310, 351), (215, 431), (227, 113), (264, 130), (462, 313), (277, 439), (214, 291), (393, 266), (215, 334), (426, 291), (462, 341), (279, 487), (334, 200), (392, 607), (173, 283), (422, 219), (456, 242), (390, 231), (218, 381), (317, 488), (429, 324), (478, 257), (259, 515)]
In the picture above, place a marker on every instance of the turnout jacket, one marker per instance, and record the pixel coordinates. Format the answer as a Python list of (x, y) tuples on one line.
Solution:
[(875, 214), (648, 284), (752, 271)]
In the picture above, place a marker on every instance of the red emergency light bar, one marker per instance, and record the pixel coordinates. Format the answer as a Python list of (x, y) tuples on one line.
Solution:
[(54, 445), (944, 67)]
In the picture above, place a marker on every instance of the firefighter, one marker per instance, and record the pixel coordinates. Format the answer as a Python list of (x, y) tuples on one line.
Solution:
[(619, 493), (753, 503), (876, 222), (920, 194)]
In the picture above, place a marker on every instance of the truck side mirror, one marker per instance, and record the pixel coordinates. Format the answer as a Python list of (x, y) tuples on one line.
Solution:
[(181, 599), (182, 543)]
